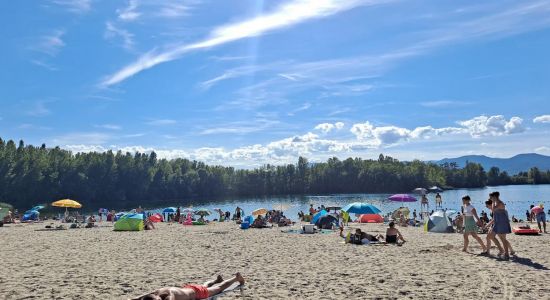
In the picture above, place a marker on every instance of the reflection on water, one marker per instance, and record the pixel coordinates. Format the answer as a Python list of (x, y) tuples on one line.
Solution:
[(517, 198)]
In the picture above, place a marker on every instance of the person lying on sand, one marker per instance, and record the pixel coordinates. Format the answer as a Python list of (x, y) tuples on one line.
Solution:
[(193, 291), (393, 236), (360, 237), (259, 222)]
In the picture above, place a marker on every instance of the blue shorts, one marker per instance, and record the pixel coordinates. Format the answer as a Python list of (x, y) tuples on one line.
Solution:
[(541, 217)]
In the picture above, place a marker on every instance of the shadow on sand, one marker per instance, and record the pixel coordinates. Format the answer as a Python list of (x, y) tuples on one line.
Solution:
[(522, 261)]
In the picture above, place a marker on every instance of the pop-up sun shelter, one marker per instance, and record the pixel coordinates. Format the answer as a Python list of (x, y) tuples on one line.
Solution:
[(30, 215), (130, 222), (326, 222), (371, 218), (438, 222)]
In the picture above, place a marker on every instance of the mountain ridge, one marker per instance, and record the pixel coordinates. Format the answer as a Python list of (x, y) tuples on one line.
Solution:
[(513, 165)]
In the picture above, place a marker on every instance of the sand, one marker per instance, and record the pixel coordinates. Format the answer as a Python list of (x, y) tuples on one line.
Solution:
[(102, 264)]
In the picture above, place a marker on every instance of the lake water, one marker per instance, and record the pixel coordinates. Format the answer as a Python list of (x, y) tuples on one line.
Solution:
[(517, 199)]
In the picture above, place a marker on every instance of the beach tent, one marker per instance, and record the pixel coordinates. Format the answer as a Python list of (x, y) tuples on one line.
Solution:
[(438, 222), (4, 208), (30, 215), (318, 215), (326, 222), (405, 211), (249, 219), (371, 218), (156, 218), (119, 215), (130, 222)]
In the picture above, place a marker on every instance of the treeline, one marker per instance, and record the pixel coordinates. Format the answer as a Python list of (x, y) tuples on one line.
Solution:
[(30, 175)]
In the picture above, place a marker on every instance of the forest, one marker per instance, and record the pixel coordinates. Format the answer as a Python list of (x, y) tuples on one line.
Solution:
[(30, 175)]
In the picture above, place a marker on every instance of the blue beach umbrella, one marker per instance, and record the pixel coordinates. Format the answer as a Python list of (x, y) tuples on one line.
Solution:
[(361, 208), (169, 210), (38, 207)]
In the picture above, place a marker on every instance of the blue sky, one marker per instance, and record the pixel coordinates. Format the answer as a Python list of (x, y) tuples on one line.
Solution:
[(246, 83)]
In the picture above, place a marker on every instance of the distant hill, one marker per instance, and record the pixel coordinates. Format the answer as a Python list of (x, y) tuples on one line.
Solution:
[(512, 165)]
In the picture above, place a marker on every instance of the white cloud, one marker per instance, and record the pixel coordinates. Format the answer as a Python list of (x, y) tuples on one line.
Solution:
[(39, 109), (287, 150), (75, 6), (542, 119), (334, 77), (378, 136), (50, 43), (173, 10), (109, 126), (328, 127), (111, 32), (161, 122), (543, 149), (129, 13), (492, 126), (304, 107), (89, 138), (285, 15), (44, 65), (247, 127), (444, 103)]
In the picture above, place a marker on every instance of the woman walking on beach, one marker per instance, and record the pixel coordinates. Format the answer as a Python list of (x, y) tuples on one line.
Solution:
[(491, 236), (470, 227), (501, 226)]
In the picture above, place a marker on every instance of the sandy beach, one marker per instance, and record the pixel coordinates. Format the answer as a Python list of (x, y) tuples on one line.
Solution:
[(102, 264)]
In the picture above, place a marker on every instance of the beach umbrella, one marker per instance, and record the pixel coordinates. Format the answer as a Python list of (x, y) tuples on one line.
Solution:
[(420, 191), (402, 198), (67, 203), (259, 211), (169, 210), (435, 189), (203, 212), (187, 210), (38, 207), (361, 208)]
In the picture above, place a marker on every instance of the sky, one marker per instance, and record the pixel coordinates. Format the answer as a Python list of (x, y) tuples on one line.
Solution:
[(246, 83)]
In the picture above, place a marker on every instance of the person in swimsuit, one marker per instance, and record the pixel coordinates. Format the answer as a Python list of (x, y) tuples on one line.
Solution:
[(193, 291), (360, 237), (470, 227), (393, 236), (501, 224), (438, 200), (491, 236), (540, 216)]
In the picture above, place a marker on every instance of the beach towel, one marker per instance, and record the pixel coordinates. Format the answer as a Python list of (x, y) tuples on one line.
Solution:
[(233, 287)]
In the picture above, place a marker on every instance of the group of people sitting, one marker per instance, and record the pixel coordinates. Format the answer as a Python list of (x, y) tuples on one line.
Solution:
[(393, 236)]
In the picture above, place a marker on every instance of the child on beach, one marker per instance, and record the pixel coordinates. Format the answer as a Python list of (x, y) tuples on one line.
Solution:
[(193, 291)]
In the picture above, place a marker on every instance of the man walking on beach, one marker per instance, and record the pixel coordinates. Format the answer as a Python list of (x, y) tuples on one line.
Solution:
[(540, 216)]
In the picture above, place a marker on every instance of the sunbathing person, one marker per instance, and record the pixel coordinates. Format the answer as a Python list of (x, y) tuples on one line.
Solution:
[(193, 291), (393, 236), (91, 221), (360, 237), (259, 223)]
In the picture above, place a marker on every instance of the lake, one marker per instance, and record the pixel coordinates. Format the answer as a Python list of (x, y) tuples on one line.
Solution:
[(517, 199)]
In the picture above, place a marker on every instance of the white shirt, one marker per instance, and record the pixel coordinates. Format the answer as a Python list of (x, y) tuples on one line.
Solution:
[(468, 210)]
